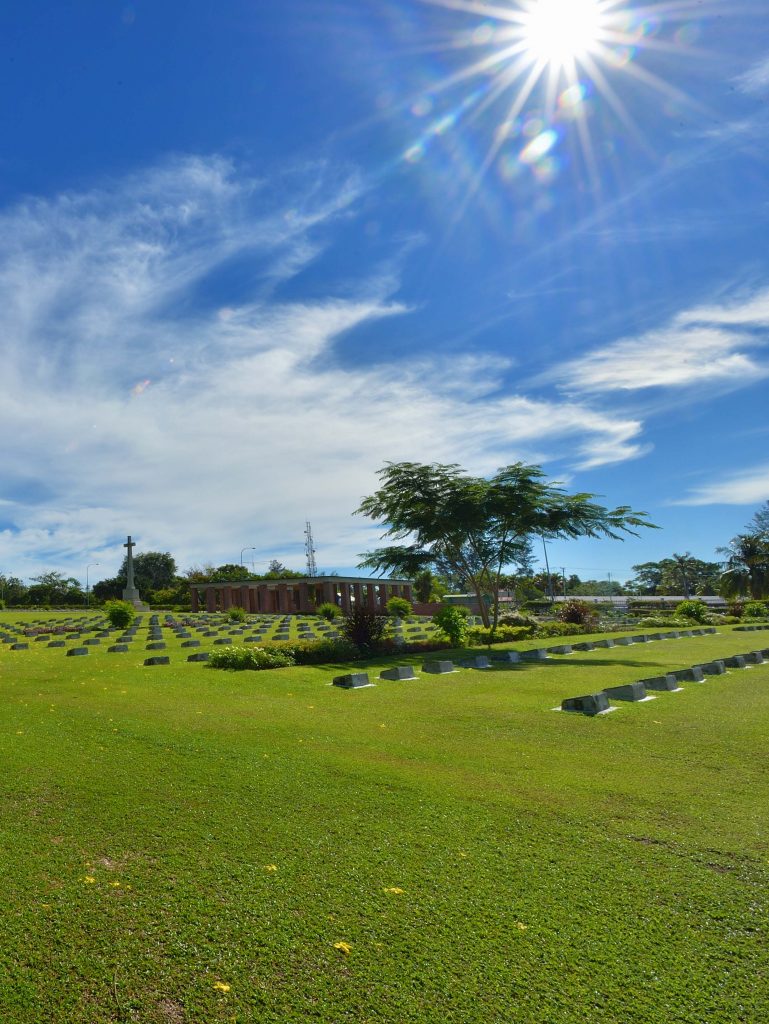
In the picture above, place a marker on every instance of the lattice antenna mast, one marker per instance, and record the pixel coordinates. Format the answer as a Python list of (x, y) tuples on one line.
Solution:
[(309, 550)]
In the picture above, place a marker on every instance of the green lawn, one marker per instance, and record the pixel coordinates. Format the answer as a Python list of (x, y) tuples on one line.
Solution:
[(186, 845)]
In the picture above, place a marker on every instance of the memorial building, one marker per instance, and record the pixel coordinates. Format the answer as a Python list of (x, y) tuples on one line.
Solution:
[(292, 596)]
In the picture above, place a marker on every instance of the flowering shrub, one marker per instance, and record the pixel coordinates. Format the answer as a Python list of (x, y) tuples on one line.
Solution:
[(240, 658), (578, 612), (236, 614)]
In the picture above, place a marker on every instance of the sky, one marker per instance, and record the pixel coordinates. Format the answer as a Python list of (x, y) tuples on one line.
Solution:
[(251, 252)]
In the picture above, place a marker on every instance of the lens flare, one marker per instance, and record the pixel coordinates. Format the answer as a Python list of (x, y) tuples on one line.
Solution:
[(561, 31)]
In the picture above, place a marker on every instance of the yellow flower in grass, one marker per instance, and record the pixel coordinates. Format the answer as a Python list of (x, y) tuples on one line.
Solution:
[(272, 868), (344, 947), (115, 885), (521, 926), (222, 986), (395, 890), (89, 879)]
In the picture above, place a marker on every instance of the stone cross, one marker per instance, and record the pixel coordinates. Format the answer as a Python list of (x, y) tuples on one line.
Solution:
[(130, 545), (131, 594)]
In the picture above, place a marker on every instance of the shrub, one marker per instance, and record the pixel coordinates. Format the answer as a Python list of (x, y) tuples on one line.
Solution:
[(694, 610), (240, 658), (398, 608), (120, 613), (502, 634), (578, 612), (364, 628), (236, 614), (328, 611), (755, 610), (736, 608), (452, 622), (516, 619), (548, 629)]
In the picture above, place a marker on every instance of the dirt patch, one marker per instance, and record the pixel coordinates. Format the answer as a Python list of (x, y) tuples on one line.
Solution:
[(171, 1011)]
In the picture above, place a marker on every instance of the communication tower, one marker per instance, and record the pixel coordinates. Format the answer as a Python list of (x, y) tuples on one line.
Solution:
[(309, 550)]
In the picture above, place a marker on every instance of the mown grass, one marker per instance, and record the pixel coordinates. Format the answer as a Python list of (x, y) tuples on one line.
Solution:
[(553, 868)]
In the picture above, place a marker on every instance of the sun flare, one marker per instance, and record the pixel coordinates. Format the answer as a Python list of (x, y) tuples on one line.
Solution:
[(559, 32)]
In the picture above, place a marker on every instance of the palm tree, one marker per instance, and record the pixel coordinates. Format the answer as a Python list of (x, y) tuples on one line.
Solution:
[(746, 567)]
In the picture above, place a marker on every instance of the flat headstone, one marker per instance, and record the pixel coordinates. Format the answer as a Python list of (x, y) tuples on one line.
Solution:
[(666, 682), (200, 656), (191, 643), (479, 661), (694, 674), (604, 643), (713, 668), (590, 704), (584, 645), (512, 657), (737, 661), (57, 643), (352, 680), (627, 691), (564, 649), (155, 645), (438, 667), (754, 658), (74, 652), (19, 647), (223, 640), (399, 672), (159, 659), (538, 654)]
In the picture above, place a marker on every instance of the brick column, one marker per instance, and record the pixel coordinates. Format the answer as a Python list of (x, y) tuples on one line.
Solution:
[(262, 596), (357, 590), (345, 597), (407, 593), (371, 597), (243, 602), (305, 604), (283, 597), (194, 599), (383, 596), (329, 592), (210, 599), (226, 598)]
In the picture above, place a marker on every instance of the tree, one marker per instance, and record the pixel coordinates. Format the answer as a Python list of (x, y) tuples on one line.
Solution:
[(54, 588), (678, 574), (153, 570), (759, 524), (746, 568), (478, 526)]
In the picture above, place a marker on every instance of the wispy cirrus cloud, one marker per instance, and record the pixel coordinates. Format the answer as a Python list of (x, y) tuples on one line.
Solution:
[(756, 79), (745, 487), (156, 380), (716, 345)]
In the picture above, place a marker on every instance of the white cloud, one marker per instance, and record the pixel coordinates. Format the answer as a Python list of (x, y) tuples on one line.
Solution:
[(756, 79), (705, 345), (747, 487), (135, 398)]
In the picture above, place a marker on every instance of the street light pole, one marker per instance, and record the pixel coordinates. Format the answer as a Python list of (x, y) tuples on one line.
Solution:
[(249, 548), (87, 596)]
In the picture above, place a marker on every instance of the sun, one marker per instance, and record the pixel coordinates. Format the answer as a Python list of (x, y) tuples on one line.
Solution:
[(559, 32)]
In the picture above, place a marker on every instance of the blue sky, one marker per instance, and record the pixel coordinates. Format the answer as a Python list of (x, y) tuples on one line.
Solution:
[(249, 252)]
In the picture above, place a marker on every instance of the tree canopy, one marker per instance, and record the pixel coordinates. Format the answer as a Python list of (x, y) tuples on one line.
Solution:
[(477, 527)]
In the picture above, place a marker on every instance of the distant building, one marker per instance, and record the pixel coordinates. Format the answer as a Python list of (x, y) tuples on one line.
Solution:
[(298, 595)]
